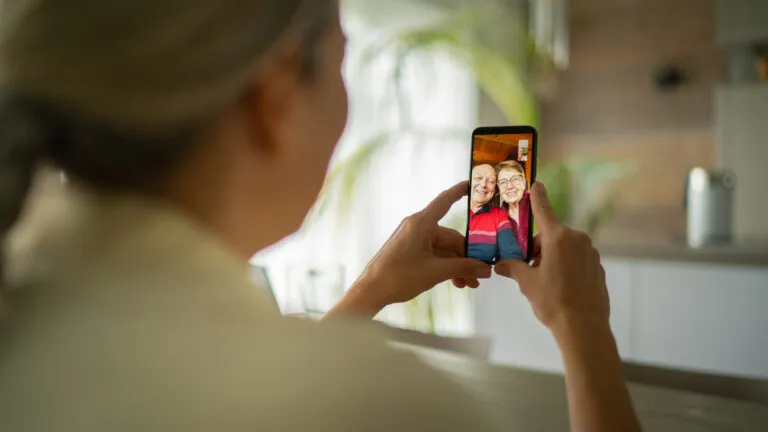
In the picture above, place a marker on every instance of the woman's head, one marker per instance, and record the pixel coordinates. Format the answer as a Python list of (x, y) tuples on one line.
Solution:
[(511, 180), (229, 107)]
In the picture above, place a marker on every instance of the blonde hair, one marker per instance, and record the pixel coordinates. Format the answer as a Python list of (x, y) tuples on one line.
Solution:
[(113, 92)]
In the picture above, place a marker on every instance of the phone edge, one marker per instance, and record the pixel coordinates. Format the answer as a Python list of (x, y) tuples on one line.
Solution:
[(488, 130)]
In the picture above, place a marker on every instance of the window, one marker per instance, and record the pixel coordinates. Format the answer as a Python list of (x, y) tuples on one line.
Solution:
[(414, 165)]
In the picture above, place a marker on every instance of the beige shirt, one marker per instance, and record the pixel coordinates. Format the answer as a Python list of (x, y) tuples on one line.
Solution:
[(127, 316)]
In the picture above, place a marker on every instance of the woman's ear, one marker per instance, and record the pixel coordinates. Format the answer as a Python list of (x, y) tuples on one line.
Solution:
[(270, 104)]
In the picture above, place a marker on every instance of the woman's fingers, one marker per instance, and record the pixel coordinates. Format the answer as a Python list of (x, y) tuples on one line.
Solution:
[(460, 268), (449, 247), (536, 256), (466, 283), (514, 269), (450, 244), (459, 283), (450, 240), (543, 212)]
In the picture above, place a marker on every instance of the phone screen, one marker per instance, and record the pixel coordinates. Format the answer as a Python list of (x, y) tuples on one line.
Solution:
[(503, 168)]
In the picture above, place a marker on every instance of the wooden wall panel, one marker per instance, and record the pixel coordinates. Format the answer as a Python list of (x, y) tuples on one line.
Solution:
[(651, 202), (492, 149), (608, 107)]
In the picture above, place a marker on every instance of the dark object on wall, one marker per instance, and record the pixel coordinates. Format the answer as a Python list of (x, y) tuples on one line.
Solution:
[(669, 78)]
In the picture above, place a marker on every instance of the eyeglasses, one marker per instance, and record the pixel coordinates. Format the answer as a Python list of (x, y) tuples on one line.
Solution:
[(514, 181)]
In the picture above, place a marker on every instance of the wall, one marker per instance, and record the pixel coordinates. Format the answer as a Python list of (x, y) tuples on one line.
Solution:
[(742, 148), (606, 104)]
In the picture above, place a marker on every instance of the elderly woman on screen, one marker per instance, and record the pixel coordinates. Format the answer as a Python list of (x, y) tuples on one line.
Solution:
[(515, 199), (181, 126)]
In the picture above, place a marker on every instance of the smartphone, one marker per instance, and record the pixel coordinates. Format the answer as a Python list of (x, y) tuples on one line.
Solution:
[(502, 170)]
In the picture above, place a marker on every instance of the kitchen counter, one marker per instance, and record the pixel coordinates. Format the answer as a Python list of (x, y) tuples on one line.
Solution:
[(533, 401), (747, 254)]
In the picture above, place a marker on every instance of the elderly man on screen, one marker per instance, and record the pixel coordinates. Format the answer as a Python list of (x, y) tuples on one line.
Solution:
[(490, 236)]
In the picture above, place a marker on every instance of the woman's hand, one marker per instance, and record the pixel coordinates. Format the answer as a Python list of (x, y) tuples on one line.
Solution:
[(566, 282), (418, 256), (566, 288)]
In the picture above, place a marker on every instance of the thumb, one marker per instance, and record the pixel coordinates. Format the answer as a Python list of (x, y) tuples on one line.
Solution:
[(543, 212), (514, 269), (462, 268)]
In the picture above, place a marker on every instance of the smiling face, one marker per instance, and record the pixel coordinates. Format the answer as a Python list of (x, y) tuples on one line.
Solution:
[(511, 185), (483, 185)]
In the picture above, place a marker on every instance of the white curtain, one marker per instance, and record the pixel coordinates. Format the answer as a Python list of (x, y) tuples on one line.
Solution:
[(408, 172)]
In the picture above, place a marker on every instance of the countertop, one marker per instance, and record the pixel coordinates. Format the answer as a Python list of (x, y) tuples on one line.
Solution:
[(744, 254), (534, 401)]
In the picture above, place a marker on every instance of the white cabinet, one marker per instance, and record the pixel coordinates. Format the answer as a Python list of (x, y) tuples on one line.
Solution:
[(711, 318), (519, 339), (702, 317), (619, 277)]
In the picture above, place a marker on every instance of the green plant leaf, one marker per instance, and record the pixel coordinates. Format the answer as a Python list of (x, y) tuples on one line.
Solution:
[(598, 216), (500, 74), (598, 188)]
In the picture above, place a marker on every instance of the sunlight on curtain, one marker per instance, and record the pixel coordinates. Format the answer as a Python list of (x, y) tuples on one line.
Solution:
[(403, 176)]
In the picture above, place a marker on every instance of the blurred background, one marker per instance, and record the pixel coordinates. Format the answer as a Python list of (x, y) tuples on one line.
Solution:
[(652, 138)]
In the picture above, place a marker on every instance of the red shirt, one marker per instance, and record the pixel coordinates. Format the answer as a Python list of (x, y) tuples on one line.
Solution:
[(490, 237)]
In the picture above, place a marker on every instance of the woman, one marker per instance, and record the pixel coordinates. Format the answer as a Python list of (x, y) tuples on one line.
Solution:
[(182, 126), (515, 198)]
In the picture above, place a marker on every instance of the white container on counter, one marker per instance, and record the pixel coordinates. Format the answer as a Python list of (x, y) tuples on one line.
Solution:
[(709, 207)]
